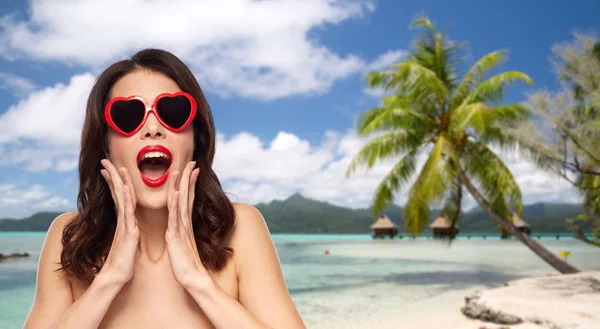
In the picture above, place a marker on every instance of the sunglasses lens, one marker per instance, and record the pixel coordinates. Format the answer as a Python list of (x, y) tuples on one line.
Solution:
[(174, 110), (127, 115)]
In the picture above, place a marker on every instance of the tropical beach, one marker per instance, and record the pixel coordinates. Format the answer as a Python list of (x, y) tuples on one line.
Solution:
[(415, 165), (364, 283)]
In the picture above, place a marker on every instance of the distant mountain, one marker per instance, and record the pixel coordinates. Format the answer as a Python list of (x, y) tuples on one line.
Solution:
[(37, 222), (298, 214), (542, 217)]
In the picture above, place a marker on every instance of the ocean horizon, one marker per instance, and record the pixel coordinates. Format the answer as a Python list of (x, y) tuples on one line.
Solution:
[(358, 276)]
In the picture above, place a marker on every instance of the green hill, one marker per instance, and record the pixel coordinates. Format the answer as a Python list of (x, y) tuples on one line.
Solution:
[(298, 214), (37, 222)]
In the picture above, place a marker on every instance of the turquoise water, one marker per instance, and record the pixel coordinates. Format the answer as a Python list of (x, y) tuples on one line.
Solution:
[(357, 277)]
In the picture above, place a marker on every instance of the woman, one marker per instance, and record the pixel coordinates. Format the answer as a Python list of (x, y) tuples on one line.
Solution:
[(155, 242)]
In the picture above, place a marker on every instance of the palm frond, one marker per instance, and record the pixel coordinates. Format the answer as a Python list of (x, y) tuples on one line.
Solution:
[(393, 181), (430, 186), (490, 171), (393, 115), (470, 115), (492, 90), (420, 84), (475, 75), (423, 21), (510, 115), (380, 79), (452, 204), (488, 123), (433, 51), (416, 214), (382, 147)]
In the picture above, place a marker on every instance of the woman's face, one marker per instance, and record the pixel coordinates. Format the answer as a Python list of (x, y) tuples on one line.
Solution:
[(123, 151)]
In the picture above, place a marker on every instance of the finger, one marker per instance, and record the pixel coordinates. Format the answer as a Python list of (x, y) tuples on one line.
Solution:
[(106, 176), (172, 185), (172, 221), (184, 185), (192, 190), (117, 183), (128, 210), (129, 182)]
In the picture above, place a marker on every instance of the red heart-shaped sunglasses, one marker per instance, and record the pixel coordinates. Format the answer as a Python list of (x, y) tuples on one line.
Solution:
[(127, 115)]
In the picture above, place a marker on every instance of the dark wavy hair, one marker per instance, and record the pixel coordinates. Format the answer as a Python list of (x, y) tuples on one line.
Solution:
[(87, 238)]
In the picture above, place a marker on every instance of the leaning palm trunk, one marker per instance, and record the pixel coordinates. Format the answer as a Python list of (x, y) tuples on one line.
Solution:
[(550, 258)]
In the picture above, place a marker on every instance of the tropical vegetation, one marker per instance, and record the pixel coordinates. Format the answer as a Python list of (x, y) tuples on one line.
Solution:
[(457, 122), (564, 133)]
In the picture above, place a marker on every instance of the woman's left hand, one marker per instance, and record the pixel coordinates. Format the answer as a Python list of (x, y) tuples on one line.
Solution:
[(179, 237)]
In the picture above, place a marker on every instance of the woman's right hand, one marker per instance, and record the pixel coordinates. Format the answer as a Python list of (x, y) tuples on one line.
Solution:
[(119, 265)]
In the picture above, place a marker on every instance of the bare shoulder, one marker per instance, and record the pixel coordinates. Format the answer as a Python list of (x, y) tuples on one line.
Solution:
[(250, 234), (262, 288), (248, 223), (53, 290), (58, 224), (53, 242), (247, 214)]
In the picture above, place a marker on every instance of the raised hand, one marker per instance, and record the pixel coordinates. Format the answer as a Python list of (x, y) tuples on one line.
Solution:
[(181, 245), (119, 265)]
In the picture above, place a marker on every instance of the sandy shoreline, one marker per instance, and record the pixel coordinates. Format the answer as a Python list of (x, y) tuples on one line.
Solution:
[(556, 302)]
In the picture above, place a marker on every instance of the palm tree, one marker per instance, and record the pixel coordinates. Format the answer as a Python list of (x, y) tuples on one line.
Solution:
[(454, 121)]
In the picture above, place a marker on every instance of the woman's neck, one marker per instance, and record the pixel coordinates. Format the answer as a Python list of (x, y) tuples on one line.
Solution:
[(152, 225)]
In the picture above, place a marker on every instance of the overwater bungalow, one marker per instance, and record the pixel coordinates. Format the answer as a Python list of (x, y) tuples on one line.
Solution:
[(520, 224), (384, 227), (441, 228)]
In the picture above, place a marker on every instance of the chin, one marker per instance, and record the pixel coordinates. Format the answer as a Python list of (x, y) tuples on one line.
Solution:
[(156, 200)]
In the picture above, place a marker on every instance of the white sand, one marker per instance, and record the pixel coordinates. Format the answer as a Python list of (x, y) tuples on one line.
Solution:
[(560, 302), (405, 284), (565, 301)]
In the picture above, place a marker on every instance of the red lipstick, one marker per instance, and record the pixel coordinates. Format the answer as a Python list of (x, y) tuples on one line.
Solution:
[(162, 179)]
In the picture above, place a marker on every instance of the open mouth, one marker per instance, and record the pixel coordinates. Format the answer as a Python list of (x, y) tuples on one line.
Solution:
[(154, 163)]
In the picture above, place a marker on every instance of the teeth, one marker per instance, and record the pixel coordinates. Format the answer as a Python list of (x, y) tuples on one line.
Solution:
[(155, 155)]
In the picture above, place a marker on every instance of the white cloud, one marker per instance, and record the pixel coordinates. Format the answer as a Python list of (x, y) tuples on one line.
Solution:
[(259, 172), (258, 49), (65, 165), (54, 114), (46, 126), (17, 201), (385, 60), (18, 86)]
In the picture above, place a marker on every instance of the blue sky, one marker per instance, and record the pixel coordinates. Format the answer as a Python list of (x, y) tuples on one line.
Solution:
[(285, 81)]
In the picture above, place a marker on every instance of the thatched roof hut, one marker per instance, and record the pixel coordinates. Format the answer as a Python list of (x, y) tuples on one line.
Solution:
[(384, 227), (384, 222), (441, 222), (520, 223), (441, 227)]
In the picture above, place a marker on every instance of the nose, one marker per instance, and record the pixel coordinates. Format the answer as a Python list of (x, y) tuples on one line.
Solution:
[(152, 128)]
